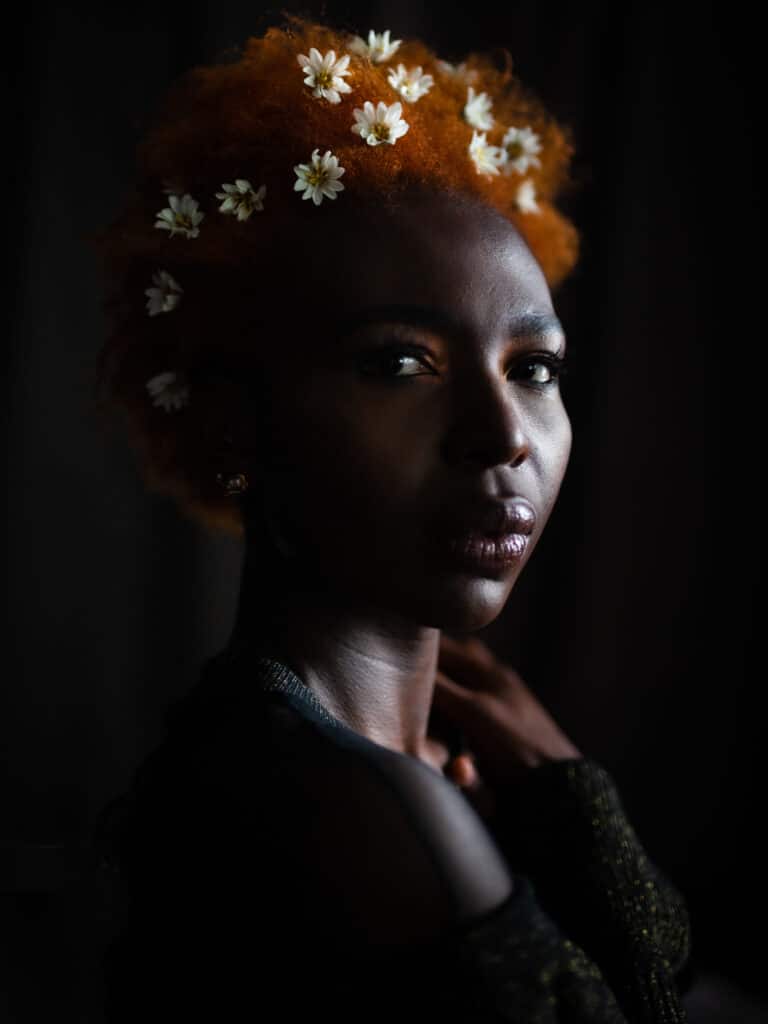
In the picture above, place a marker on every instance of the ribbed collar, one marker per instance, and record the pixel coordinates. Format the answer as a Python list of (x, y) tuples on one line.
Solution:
[(229, 679), (269, 673), (230, 676)]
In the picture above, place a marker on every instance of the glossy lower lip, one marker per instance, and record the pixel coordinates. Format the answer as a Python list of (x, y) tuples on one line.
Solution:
[(476, 551)]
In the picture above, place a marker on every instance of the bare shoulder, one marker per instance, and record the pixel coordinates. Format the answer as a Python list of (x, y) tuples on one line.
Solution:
[(395, 845)]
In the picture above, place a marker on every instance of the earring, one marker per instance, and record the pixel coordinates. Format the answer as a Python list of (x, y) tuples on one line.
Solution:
[(232, 483), (235, 483)]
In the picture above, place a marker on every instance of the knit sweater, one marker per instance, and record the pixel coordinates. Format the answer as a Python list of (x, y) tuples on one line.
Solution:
[(221, 851)]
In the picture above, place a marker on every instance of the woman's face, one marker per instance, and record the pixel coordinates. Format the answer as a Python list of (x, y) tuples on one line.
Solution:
[(403, 382)]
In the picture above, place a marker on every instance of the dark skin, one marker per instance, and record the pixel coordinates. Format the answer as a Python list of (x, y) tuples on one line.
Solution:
[(366, 451)]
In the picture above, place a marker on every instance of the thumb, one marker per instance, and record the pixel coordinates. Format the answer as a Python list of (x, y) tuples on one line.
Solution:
[(459, 706), (463, 771), (450, 693), (456, 702), (464, 709)]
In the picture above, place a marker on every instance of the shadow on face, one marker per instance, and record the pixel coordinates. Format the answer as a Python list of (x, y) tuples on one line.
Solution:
[(411, 366)]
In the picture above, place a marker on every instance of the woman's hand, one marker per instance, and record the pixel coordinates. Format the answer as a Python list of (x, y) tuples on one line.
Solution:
[(507, 729)]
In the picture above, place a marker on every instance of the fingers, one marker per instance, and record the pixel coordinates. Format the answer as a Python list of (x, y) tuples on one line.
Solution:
[(463, 771), (455, 701), (469, 661), (448, 692)]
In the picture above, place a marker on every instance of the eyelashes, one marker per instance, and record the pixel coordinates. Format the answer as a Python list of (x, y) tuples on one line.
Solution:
[(556, 364), (383, 362)]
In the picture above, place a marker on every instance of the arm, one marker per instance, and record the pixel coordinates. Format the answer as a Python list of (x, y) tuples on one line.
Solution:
[(558, 818), (566, 826)]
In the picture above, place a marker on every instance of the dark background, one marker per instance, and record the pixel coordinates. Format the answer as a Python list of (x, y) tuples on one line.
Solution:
[(636, 622)]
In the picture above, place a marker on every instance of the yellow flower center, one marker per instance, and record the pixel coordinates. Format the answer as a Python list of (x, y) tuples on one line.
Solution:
[(317, 177), (323, 79), (381, 131)]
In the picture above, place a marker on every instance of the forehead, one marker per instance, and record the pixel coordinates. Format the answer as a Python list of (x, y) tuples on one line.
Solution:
[(430, 249)]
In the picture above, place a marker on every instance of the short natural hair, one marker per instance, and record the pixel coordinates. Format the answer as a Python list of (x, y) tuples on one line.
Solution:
[(252, 117)]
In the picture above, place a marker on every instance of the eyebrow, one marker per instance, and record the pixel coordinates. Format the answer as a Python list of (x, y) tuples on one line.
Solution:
[(522, 325)]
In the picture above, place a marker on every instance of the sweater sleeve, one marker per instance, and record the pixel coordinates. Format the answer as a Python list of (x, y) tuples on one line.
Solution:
[(565, 827), (515, 965)]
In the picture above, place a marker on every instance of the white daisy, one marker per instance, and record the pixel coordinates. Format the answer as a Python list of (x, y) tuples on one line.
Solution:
[(380, 124), (240, 198), (521, 145), (477, 110), (526, 197), (320, 178), (488, 159), (378, 48), (325, 74), (165, 296), (168, 390), (411, 85), (458, 70), (181, 217)]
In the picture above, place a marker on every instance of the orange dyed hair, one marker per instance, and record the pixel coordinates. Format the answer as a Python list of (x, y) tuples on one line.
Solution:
[(254, 118)]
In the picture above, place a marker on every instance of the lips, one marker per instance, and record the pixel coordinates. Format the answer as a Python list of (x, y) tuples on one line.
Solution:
[(492, 517)]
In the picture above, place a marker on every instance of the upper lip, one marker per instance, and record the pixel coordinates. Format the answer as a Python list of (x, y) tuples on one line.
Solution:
[(493, 517)]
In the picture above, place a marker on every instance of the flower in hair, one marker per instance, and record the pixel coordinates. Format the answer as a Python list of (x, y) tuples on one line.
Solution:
[(477, 110), (521, 145), (319, 178), (526, 197), (378, 48), (164, 297), (380, 124), (168, 390), (411, 85), (325, 74), (240, 198), (487, 159), (181, 216)]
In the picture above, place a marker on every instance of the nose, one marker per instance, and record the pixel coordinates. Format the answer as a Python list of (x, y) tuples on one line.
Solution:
[(488, 427)]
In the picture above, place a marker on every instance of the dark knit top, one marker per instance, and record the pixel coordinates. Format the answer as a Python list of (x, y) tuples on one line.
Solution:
[(263, 841)]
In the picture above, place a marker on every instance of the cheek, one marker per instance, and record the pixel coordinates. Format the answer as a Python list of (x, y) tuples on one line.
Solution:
[(359, 435), (351, 473), (553, 452), (561, 441)]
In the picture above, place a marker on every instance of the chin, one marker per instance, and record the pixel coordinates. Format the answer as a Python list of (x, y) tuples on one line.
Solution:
[(464, 604)]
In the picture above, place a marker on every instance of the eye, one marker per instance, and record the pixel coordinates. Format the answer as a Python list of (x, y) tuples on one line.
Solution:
[(545, 369), (542, 370), (386, 361)]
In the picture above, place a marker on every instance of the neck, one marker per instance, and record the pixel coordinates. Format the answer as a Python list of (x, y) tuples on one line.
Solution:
[(371, 668)]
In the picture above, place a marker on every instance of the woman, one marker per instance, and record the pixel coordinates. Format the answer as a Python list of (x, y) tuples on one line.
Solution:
[(358, 810)]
